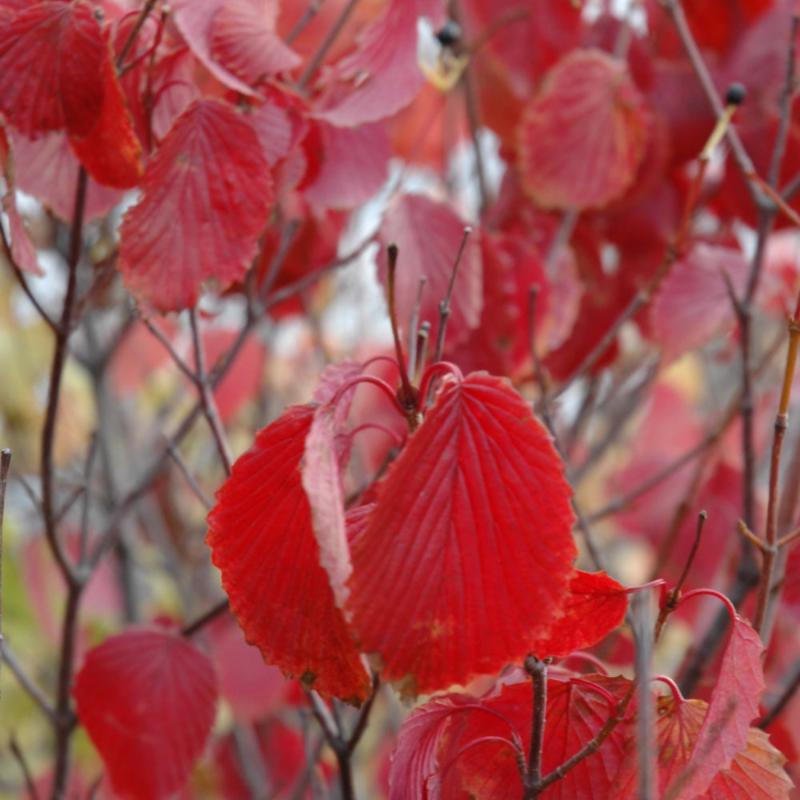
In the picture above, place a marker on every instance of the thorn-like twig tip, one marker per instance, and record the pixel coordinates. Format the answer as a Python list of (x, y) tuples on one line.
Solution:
[(391, 252)]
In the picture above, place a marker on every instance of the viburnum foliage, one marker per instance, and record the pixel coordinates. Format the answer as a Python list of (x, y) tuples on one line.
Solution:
[(395, 399)]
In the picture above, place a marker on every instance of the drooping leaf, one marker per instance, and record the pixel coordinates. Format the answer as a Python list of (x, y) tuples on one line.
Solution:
[(327, 449), (428, 235), (52, 68), (595, 606), (382, 75), (48, 169), (755, 772), (583, 136), (245, 43), (195, 21), (693, 304), (110, 150), (732, 707), (205, 198), (262, 541), (355, 164), (469, 551), (147, 699)]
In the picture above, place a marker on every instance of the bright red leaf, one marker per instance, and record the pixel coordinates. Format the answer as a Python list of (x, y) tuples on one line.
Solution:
[(147, 698), (205, 198), (595, 606), (52, 58), (469, 551), (583, 136), (262, 541), (428, 235)]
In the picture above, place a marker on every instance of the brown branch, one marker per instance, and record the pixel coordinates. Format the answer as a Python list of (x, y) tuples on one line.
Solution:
[(27, 776), (204, 619), (131, 40), (538, 673), (444, 305), (26, 682)]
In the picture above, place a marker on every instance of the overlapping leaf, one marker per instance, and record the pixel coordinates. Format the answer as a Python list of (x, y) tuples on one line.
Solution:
[(206, 194), (694, 303), (468, 554), (382, 75), (147, 699), (458, 745), (595, 606), (262, 541), (428, 235), (51, 68), (582, 137), (244, 42)]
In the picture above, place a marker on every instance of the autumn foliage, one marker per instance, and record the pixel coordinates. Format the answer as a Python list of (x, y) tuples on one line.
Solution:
[(409, 387)]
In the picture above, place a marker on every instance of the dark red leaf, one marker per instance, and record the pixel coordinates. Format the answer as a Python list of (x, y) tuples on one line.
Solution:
[(582, 137), (469, 551), (52, 58), (428, 235), (110, 150), (262, 541), (205, 198), (147, 698)]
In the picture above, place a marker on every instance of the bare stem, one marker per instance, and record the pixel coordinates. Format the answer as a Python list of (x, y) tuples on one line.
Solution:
[(538, 672), (204, 619), (444, 305), (326, 44)]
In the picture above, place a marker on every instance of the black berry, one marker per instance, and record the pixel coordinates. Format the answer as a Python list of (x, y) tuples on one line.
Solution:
[(450, 33), (735, 95)]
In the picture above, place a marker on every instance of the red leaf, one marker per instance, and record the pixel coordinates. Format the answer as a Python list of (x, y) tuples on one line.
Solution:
[(47, 169), (693, 303), (51, 68), (147, 699), (452, 746), (110, 151), (755, 773), (469, 551), (326, 453), (195, 22), (731, 709), (428, 235), (243, 41), (205, 198), (595, 606), (354, 167), (262, 541), (383, 75), (582, 137)]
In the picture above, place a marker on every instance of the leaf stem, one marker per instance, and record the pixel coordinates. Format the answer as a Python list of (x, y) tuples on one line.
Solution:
[(538, 673)]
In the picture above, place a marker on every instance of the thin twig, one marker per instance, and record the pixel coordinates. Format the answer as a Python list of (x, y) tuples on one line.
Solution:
[(132, 36), (789, 691), (444, 305), (27, 776), (311, 11), (326, 44), (190, 479), (642, 613), (26, 682), (210, 411), (204, 619)]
